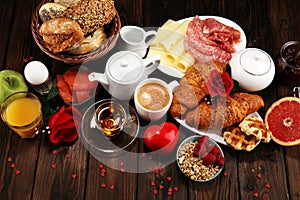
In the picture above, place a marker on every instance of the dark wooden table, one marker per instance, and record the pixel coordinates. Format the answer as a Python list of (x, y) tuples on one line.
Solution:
[(267, 24)]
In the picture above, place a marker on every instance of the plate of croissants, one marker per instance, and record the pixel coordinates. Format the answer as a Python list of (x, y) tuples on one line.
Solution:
[(231, 120)]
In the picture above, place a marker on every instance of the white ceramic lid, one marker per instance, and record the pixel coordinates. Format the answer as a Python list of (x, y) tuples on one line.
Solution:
[(125, 67), (255, 61)]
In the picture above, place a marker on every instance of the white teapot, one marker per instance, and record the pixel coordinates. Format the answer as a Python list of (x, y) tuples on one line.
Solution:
[(253, 68), (124, 71)]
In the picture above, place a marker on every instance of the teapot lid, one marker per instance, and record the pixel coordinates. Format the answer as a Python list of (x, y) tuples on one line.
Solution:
[(125, 66), (256, 61)]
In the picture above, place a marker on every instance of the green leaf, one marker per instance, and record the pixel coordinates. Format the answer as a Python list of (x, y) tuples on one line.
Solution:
[(228, 69), (235, 88)]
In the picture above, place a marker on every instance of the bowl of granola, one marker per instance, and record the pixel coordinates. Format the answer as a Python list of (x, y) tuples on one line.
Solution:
[(200, 158)]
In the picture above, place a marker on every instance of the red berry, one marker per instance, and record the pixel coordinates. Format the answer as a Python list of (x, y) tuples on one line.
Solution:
[(219, 160), (203, 140), (209, 159), (200, 150), (214, 150)]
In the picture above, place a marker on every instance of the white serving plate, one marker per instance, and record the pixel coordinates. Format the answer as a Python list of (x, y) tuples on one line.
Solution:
[(238, 46)]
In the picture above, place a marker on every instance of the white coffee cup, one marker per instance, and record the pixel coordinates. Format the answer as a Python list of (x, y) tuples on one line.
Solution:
[(136, 39), (152, 99)]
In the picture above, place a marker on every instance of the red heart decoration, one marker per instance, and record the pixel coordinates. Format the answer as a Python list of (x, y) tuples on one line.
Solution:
[(163, 138)]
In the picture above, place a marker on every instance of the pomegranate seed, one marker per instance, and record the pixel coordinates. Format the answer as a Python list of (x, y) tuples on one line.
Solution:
[(169, 193), (170, 189), (13, 165), (255, 194), (157, 171), (258, 175), (74, 176), (9, 159), (150, 158), (67, 155), (175, 189), (112, 187), (122, 170), (54, 152), (268, 185), (152, 183), (25, 60), (103, 170), (31, 58), (103, 185), (144, 155), (169, 178), (155, 192), (102, 174), (101, 166), (150, 168), (225, 173), (53, 166), (161, 187), (121, 163), (18, 172)]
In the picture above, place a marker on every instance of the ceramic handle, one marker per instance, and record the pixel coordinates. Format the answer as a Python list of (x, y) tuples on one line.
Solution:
[(149, 33), (151, 64)]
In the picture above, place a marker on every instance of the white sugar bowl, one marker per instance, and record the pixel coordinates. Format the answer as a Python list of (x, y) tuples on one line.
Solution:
[(253, 68), (123, 72)]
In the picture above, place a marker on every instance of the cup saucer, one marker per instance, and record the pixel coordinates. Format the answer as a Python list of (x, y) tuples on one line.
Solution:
[(95, 140)]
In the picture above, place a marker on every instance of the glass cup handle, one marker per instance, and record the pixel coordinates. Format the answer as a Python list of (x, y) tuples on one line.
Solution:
[(296, 91)]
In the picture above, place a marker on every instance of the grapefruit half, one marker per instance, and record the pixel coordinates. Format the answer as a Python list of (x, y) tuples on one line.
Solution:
[(283, 121)]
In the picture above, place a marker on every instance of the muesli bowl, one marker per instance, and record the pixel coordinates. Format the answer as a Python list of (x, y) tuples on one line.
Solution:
[(195, 161)]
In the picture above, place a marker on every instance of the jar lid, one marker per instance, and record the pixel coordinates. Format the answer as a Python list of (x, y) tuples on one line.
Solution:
[(255, 61), (125, 67)]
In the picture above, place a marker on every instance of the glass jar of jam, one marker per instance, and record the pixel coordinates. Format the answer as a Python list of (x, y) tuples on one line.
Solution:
[(288, 64)]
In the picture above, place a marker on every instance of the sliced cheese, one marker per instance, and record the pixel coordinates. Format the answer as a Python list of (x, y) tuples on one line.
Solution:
[(176, 51), (184, 62), (174, 36), (163, 31)]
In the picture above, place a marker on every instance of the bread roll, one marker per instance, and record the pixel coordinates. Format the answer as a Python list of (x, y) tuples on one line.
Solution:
[(66, 3), (91, 14), (51, 11), (61, 34), (90, 42)]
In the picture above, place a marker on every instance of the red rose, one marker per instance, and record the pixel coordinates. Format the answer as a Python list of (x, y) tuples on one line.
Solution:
[(219, 84), (64, 125)]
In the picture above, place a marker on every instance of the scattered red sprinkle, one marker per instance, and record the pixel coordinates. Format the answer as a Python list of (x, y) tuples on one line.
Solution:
[(150, 168), (169, 178), (268, 185), (101, 166), (152, 183), (31, 58), (103, 170), (155, 192), (53, 166), (102, 174), (161, 169), (121, 163), (258, 175), (13, 165), (54, 152), (74, 176), (170, 189), (175, 189), (103, 185), (161, 187), (255, 194), (112, 187), (67, 155), (122, 170), (9, 159), (144, 155), (157, 171), (169, 193), (225, 173), (150, 158), (18, 172), (25, 60)]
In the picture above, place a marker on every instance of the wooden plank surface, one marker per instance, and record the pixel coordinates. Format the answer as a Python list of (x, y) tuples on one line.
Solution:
[(71, 172)]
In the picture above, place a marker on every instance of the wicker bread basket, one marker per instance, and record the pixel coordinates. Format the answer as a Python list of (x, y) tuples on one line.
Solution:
[(112, 30)]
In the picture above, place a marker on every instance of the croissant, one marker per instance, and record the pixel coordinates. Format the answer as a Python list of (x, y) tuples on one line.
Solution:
[(255, 101), (224, 112)]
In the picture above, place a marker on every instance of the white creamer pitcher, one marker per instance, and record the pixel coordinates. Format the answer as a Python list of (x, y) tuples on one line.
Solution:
[(253, 68), (124, 71)]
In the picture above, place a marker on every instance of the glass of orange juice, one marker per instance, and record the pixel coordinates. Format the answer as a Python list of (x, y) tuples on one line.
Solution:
[(22, 112)]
